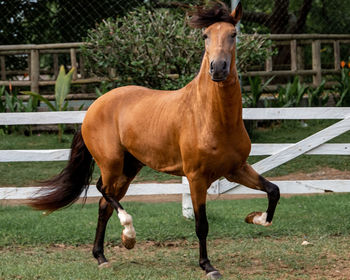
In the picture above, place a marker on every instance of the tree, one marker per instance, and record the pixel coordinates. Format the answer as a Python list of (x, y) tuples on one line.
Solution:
[(55, 21), (281, 20)]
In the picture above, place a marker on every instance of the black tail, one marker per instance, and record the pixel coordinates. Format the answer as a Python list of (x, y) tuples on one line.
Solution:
[(65, 188)]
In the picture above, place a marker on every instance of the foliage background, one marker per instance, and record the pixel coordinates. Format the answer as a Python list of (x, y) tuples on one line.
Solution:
[(59, 21)]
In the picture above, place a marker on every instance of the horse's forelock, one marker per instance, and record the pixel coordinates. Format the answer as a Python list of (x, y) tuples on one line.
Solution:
[(203, 17)]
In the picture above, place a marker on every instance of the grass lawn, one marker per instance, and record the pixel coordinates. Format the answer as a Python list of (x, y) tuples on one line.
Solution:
[(26, 173), (58, 246)]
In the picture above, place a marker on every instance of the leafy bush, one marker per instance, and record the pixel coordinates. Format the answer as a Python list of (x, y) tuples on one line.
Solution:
[(256, 90), (291, 95), (9, 102), (253, 50), (156, 49), (144, 48), (317, 96)]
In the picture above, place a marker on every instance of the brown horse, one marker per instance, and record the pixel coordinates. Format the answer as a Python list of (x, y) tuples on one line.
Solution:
[(197, 132)]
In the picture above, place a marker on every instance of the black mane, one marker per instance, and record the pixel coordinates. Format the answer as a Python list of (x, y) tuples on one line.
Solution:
[(206, 16)]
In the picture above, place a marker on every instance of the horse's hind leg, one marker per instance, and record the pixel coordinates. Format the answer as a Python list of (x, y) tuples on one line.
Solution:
[(110, 200), (249, 177), (104, 213)]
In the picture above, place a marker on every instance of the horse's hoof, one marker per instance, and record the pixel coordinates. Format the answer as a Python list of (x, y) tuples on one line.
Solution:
[(103, 265), (258, 218), (128, 242), (214, 275)]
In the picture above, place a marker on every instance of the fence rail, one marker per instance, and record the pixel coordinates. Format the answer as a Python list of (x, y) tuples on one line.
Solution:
[(297, 42), (279, 153)]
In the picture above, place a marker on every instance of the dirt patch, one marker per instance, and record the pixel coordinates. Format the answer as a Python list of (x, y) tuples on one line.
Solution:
[(326, 173)]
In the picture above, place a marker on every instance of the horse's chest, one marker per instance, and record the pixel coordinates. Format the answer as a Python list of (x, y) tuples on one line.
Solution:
[(223, 153)]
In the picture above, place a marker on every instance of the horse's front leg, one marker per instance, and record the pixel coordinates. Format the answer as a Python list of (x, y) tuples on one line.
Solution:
[(247, 176), (198, 189)]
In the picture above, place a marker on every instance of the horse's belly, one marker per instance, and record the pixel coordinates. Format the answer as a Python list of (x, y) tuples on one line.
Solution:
[(161, 160)]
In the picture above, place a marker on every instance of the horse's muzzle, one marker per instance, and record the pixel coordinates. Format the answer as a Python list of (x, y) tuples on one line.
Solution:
[(219, 70)]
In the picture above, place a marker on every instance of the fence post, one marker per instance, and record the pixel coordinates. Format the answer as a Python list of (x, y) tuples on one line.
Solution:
[(316, 62), (187, 207), (34, 70), (3, 68), (293, 55), (73, 59), (336, 55), (268, 63), (55, 65)]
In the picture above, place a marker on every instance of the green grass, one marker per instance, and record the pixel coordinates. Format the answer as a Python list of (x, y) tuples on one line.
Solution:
[(262, 258), (27, 173), (58, 246), (296, 216)]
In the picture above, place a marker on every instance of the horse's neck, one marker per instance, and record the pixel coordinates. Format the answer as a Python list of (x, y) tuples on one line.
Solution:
[(218, 103)]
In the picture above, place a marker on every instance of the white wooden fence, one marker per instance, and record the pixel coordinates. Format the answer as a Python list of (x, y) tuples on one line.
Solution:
[(278, 153)]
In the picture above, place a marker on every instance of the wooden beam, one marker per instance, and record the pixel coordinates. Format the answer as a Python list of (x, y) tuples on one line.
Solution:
[(286, 187), (316, 62), (293, 55), (324, 149), (298, 113), (280, 73), (257, 150), (248, 114), (269, 63), (55, 65), (294, 150), (34, 70), (3, 68), (134, 189), (336, 47), (300, 187), (73, 59), (64, 117)]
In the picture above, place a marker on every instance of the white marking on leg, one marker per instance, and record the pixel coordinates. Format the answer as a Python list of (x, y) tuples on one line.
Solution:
[(261, 220), (126, 221)]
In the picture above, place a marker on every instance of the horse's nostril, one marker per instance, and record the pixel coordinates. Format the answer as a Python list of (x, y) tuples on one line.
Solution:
[(211, 67), (224, 65)]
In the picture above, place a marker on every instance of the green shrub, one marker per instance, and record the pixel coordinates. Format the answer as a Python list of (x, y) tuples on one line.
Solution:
[(144, 48), (156, 49), (253, 49), (291, 95)]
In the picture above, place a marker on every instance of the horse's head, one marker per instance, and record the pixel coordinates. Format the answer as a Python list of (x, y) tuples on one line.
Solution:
[(219, 33)]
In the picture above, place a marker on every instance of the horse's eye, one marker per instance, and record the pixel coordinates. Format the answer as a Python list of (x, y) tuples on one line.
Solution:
[(205, 36), (233, 35)]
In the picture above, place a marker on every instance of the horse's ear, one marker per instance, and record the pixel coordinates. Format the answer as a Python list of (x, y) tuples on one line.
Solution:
[(237, 13)]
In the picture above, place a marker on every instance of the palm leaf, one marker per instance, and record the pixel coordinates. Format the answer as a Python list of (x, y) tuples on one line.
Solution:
[(41, 98)]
